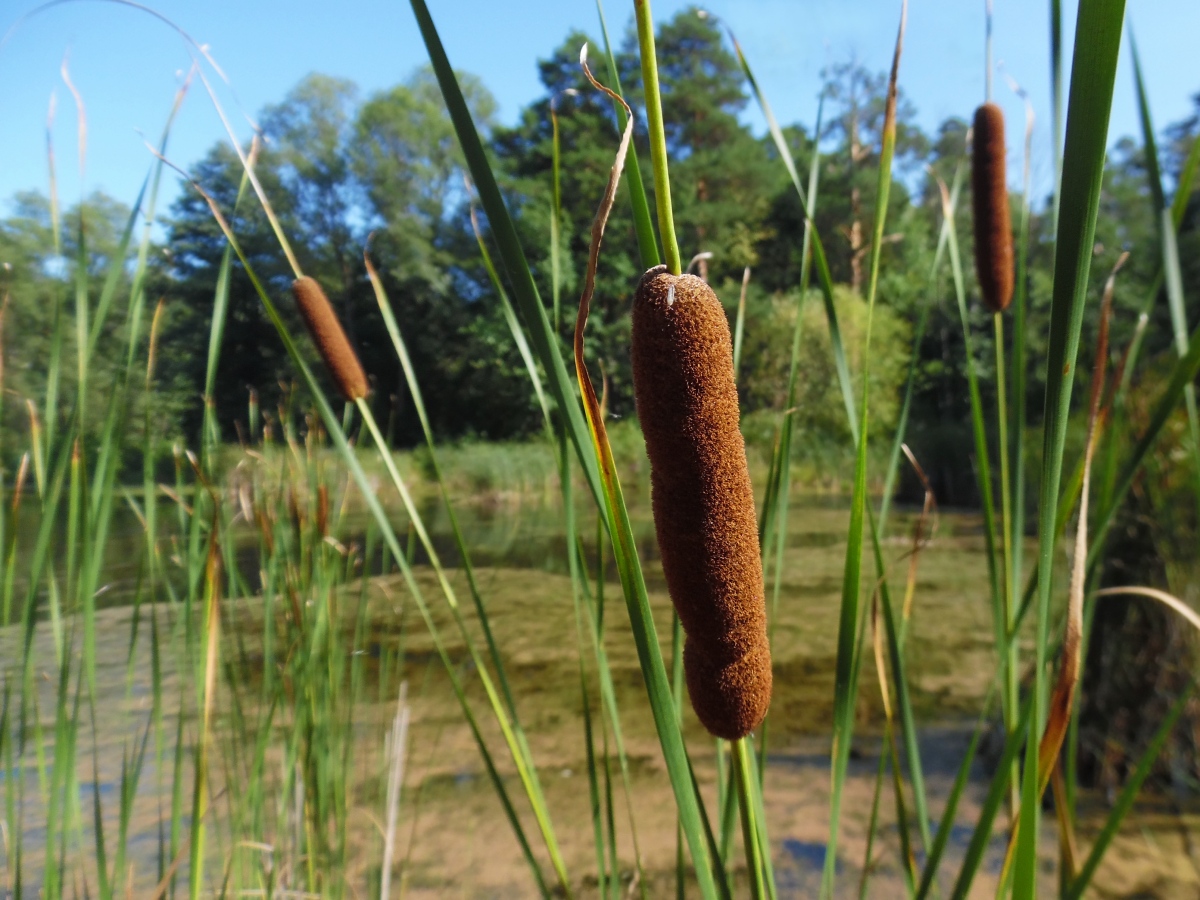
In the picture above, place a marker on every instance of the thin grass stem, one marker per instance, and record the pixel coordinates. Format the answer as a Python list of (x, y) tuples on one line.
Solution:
[(658, 137)]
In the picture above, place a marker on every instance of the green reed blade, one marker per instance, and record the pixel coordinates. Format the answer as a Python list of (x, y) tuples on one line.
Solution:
[(1183, 184), (40, 560), (510, 318), (747, 786), (983, 477), (81, 319), (460, 542), (555, 225), (781, 463), (739, 326), (895, 636), (598, 833), (845, 383), (1018, 412), (1093, 71), (850, 618), (594, 609), (53, 379), (677, 696), (893, 469), (592, 637), (997, 790), (57, 806), (643, 223), (113, 279), (209, 436), (102, 873), (760, 818), (525, 768), (1056, 101), (606, 491), (512, 256), (873, 822), (658, 137), (1169, 246), (845, 685), (946, 824), (824, 276)]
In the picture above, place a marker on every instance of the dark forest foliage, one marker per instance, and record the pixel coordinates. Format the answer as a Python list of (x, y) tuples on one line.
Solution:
[(345, 171)]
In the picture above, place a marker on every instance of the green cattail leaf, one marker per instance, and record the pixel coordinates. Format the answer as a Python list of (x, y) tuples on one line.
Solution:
[(1093, 72), (512, 256)]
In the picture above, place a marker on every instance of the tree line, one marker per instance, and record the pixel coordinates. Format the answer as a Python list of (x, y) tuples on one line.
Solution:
[(346, 172)]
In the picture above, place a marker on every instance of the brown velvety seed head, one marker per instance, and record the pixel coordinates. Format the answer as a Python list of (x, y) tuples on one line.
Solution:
[(989, 189), (702, 498), (730, 697), (327, 334)]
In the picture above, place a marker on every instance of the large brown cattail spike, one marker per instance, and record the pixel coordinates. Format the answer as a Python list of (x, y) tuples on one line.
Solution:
[(327, 334), (989, 189), (703, 502)]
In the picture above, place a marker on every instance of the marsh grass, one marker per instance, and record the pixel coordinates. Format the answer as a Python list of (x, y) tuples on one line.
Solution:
[(268, 713)]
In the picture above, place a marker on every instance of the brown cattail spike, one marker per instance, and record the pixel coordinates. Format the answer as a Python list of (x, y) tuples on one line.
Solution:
[(327, 334), (989, 189), (703, 501)]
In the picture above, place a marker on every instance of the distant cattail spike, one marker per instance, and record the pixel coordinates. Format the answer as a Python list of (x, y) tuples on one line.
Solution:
[(330, 339), (989, 188), (703, 502)]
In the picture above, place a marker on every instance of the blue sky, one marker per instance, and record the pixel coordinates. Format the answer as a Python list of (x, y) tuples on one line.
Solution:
[(127, 66)]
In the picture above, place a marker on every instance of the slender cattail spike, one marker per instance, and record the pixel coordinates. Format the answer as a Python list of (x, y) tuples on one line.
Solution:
[(703, 501), (989, 188), (330, 339)]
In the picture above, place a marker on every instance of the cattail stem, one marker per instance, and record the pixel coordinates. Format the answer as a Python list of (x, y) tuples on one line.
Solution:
[(658, 137), (750, 838), (1011, 661)]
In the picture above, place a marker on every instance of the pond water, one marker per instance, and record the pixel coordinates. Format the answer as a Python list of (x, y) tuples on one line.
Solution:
[(453, 837)]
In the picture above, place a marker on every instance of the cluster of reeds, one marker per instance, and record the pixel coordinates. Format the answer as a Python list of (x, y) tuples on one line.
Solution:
[(252, 738)]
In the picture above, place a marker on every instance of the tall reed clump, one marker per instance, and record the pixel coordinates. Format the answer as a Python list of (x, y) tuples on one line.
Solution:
[(702, 498)]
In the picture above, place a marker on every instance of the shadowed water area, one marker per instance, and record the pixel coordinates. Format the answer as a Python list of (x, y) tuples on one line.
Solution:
[(452, 835)]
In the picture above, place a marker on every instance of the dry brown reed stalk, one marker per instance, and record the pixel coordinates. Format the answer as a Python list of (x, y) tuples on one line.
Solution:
[(327, 334), (989, 190), (702, 498)]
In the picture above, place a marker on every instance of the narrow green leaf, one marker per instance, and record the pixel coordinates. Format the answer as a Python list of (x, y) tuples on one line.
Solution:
[(512, 255), (850, 619), (1093, 71), (1169, 246)]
